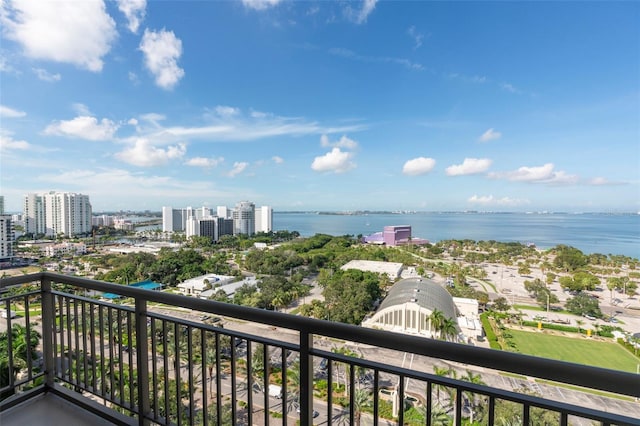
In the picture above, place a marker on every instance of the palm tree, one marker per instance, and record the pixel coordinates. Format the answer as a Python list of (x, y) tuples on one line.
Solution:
[(442, 372), (278, 301), (361, 400), (210, 359), (579, 323), (21, 345), (439, 416), (449, 329), (477, 403), (436, 320), (178, 352)]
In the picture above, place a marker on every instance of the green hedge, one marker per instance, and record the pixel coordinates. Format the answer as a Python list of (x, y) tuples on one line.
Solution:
[(488, 331), (628, 346), (605, 331)]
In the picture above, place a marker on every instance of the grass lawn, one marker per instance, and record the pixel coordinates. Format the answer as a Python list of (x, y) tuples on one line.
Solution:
[(579, 350)]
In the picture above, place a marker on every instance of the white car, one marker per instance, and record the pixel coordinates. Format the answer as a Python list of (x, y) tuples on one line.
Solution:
[(11, 314)]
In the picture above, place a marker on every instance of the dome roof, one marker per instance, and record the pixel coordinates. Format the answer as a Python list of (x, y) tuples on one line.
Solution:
[(426, 293)]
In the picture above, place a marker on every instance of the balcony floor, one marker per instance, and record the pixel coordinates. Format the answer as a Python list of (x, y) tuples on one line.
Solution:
[(49, 410)]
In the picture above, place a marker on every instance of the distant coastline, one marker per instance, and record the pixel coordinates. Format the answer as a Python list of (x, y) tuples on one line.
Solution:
[(401, 212), (605, 233)]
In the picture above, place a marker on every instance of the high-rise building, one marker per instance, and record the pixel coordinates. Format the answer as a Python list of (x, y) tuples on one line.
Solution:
[(208, 227), (264, 219), (33, 211), (244, 218), (192, 227), (6, 238), (1, 204), (224, 227), (56, 213), (223, 212)]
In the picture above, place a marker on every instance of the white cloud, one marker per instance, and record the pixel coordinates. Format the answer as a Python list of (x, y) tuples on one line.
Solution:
[(143, 154), (360, 16), (259, 114), (487, 200), (418, 166), (238, 167), (161, 51), (346, 53), (469, 166), (227, 111), (76, 32), (343, 142), (466, 78), (562, 178), (81, 109), (7, 112), (153, 117), (132, 122), (528, 174), (260, 4), (204, 162), (490, 135), (238, 127), (510, 88), (133, 78), (416, 36), (147, 190), (7, 143), (336, 161), (45, 75), (277, 160), (540, 174), (84, 127), (596, 181), (134, 11)]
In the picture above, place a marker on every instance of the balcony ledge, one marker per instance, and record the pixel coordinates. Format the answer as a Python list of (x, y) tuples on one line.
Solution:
[(58, 406)]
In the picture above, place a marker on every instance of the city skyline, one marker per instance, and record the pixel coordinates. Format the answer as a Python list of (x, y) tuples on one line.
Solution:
[(331, 106)]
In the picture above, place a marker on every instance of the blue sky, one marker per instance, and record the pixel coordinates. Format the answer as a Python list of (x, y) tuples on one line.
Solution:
[(498, 106)]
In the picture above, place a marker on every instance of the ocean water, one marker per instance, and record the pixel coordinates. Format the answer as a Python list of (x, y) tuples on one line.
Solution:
[(617, 234)]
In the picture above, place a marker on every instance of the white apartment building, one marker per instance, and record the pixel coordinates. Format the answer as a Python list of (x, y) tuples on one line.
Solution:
[(56, 213), (33, 211), (6, 238), (65, 248), (264, 219), (103, 220), (244, 218), (223, 212)]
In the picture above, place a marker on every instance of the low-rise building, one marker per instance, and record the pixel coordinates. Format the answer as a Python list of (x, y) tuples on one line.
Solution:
[(195, 286), (61, 249), (392, 269)]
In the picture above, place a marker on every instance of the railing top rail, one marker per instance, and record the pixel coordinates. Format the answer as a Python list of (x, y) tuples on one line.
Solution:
[(560, 371)]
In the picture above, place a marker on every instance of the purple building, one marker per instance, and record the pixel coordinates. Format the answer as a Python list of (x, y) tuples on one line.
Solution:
[(393, 236), (396, 235)]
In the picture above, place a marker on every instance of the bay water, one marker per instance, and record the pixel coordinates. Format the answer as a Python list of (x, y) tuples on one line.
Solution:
[(617, 234)]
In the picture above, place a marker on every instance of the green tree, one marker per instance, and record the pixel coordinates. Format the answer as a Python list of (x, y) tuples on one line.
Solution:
[(524, 269), (584, 304), (569, 258), (23, 346), (361, 401), (449, 329), (501, 304), (436, 321), (349, 295)]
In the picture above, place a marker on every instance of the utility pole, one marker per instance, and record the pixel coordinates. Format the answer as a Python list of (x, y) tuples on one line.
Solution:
[(547, 293)]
